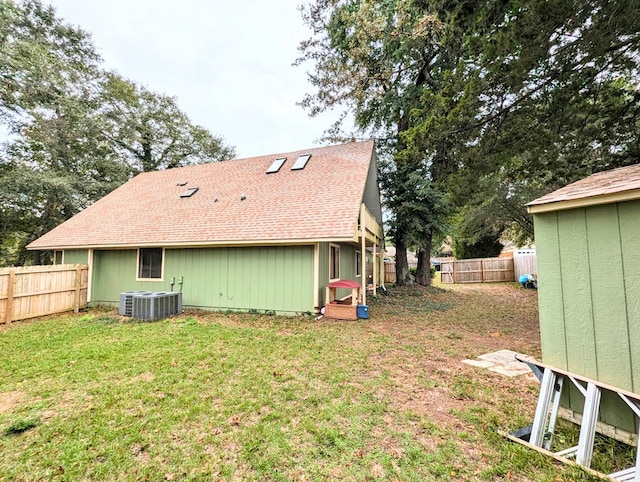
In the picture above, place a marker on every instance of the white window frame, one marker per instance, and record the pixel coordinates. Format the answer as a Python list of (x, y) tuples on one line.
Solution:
[(161, 278), (337, 246), (358, 264), (55, 252)]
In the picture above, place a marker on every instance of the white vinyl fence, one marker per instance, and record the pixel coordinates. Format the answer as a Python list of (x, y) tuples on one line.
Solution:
[(524, 262)]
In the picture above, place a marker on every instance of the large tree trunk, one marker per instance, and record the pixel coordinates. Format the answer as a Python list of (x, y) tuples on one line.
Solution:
[(402, 266), (423, 272)]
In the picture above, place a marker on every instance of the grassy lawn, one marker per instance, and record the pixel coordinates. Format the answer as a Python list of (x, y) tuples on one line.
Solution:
[(244, 397)]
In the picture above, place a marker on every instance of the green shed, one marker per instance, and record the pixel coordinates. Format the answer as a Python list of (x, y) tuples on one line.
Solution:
[(587, 237), (266, 233)]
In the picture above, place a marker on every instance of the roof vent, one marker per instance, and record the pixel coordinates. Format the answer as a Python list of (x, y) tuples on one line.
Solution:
[(277, 164), (189, 192), (181, 183), (301, 162)]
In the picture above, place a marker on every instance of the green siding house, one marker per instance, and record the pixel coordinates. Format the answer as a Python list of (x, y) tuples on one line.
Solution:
[(265, 233), (587, 238)]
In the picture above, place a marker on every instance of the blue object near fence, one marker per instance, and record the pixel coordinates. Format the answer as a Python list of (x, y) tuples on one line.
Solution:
[(363, 311)]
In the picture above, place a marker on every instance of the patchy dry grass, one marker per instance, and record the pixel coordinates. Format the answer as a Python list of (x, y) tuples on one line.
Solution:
[(245, 397)]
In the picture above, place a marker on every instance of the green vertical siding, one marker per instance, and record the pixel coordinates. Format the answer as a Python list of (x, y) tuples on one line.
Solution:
[(348, 263), (76, 256), (576, 289), (589, 273), (611, 334), (552, 337), (629, 221), (276, 279), (589, 296), (347, 268), (323, 271)]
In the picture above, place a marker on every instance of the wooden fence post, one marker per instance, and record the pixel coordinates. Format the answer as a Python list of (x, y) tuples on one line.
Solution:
[(76, 302), (10, 290)]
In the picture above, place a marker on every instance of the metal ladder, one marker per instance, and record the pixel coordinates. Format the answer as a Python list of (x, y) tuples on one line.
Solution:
[(546, 414)]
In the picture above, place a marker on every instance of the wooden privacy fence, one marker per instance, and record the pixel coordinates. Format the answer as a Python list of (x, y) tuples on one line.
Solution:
[(389, 272), (477, 270), (35, 291)]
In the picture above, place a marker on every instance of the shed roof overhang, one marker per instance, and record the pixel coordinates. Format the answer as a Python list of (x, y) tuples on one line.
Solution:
[(550, 205)]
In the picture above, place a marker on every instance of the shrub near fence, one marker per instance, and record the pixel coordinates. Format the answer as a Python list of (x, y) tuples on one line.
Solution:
[(35, 291), (487, 270)]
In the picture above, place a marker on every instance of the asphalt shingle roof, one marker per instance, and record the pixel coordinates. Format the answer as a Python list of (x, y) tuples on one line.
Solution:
[(319, 202), (599, 185)]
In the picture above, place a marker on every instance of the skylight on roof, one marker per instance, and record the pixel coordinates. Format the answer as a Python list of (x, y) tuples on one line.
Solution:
[(277, 164), (301, 162), (189, 192)]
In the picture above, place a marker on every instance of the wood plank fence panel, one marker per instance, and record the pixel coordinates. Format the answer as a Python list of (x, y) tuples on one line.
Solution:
[(446, 271), (487, 270), (34, 291), (498, 270), (468, 271), (389, 272)]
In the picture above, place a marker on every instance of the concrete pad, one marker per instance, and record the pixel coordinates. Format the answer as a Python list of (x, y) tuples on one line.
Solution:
[(502, 362), (479, 363), (509, 372), (501, 356)]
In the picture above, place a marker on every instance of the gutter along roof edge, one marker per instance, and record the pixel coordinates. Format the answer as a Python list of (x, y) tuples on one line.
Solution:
[(202, 244)]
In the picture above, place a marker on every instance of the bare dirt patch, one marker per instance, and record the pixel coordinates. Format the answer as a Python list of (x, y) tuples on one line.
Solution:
[(9, 401), (430, 331)]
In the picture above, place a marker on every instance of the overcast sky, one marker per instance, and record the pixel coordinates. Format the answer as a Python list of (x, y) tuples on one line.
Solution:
[(228, 63)]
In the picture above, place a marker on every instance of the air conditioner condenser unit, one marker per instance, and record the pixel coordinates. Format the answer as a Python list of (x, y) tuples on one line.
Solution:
[(156, 305)]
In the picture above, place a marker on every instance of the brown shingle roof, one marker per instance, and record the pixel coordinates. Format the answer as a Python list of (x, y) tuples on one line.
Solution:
[(319, 202), (608, 186)]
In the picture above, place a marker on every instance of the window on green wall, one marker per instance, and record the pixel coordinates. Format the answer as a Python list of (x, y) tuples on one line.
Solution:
[(334, 262), (58, 257), (358, 263), (150, 263)]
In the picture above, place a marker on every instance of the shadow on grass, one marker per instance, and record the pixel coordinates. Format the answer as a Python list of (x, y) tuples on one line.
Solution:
[(415, 299)]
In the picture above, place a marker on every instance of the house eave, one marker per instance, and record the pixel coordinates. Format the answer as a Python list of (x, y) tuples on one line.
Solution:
[(196, 244)]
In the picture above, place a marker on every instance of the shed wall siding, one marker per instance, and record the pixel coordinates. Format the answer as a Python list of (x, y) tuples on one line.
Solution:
[(552, 324), (589, 273), (253, 278), (629, 219), (576, 289), (589, 292)]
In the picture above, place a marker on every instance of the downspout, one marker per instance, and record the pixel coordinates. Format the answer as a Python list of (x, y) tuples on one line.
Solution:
[(89, 275), (363, 255), (316, 275), (381, 268), (374, 266)]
